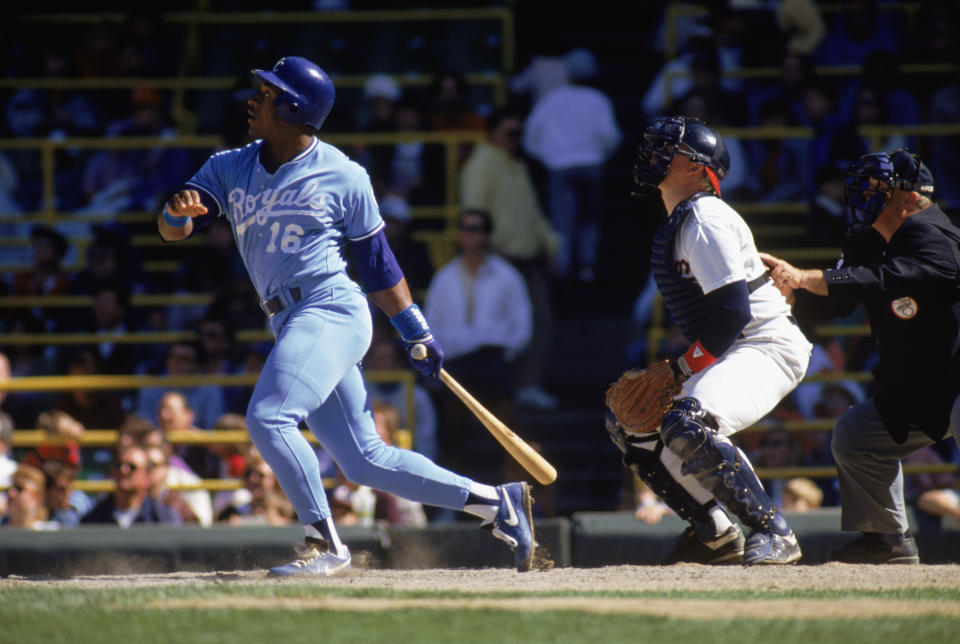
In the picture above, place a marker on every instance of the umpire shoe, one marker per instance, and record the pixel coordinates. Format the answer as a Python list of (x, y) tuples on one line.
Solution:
[(766, 547), (314, 558), (870, 548), (726, 548), (514, 522)]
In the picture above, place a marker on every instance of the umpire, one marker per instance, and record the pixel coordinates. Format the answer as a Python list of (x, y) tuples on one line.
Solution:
[(901, 260)]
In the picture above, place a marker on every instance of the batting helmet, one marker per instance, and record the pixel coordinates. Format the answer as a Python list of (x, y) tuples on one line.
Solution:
[(872, 179), (668, 136), (307, 92)]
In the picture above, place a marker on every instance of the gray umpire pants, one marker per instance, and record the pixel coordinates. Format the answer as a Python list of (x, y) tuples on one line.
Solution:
[(869, 470)]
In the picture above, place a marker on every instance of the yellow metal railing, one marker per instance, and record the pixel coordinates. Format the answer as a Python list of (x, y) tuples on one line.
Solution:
[(124, 382)]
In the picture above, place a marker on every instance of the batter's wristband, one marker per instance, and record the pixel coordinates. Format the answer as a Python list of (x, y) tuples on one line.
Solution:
[(411, 324), (173, 220)]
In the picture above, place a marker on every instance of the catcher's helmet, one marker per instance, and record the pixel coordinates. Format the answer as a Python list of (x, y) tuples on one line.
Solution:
[(872, 179), (667, 136), (308, 92)]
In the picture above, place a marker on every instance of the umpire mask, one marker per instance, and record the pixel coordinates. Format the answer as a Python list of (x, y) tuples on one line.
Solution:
[(872, 179)]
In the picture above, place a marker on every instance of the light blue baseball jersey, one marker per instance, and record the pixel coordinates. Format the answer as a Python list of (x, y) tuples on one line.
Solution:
[(292, 224)]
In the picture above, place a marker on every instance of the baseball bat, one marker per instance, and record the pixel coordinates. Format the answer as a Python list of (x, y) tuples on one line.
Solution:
[(531, 461)]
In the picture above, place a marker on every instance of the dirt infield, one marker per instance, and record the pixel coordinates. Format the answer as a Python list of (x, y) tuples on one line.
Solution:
[(831, 576)]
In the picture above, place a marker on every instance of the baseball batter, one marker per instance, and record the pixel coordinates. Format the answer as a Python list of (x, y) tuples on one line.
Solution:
[(746, 354), (295, 203)]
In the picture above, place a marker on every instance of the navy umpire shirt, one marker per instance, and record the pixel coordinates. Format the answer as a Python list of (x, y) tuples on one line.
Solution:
[(910, 288)]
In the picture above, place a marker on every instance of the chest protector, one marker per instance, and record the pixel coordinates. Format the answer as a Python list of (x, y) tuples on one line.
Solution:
[(682, 296)]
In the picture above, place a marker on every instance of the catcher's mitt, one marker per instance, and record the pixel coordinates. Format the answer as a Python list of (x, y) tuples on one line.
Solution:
[(641, 397)]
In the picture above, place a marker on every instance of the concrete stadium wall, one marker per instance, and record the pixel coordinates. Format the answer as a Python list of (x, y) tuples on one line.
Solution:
[(585, 540)]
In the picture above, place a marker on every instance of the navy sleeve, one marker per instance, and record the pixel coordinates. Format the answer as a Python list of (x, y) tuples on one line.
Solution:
[(375, 262), (730, 312)]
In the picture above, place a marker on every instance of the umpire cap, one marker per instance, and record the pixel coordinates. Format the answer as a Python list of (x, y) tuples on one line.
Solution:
[(911, 173), (307, 92)]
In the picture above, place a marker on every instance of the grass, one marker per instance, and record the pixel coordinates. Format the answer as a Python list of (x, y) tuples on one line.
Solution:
[(208, 613)]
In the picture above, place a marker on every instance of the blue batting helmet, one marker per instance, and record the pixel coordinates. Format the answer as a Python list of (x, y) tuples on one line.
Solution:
[(668, 136), (307, 92), (872, 179)]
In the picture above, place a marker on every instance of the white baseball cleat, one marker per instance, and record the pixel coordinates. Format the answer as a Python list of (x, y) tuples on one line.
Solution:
[(315, 559)]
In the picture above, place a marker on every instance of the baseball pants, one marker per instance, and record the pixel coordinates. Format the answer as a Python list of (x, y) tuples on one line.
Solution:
[(312, 374), (869, 469)]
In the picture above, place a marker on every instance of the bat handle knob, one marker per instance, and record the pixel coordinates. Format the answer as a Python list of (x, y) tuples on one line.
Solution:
[(418, 352)]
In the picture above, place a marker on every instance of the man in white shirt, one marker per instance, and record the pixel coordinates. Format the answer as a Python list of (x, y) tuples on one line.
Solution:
[(572, 131), (480, 311)]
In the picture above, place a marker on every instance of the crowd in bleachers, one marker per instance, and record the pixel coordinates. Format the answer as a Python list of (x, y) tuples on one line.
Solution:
[(813, 87)]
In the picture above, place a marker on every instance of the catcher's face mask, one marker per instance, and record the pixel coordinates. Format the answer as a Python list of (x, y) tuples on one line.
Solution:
[(867, 188), (661, 140)]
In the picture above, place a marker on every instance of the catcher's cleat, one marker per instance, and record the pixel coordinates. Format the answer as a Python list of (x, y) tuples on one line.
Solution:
[(726, 548), (765, 547), (869, 548), (514, 522), (314, 558)]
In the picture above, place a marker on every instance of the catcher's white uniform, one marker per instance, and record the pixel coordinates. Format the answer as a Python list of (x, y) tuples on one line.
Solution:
[(715, 247)]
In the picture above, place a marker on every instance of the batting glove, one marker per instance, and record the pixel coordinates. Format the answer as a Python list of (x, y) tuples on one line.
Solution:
[(415, 331)]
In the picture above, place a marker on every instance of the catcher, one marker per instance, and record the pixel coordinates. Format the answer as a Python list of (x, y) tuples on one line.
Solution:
[(673, 420)]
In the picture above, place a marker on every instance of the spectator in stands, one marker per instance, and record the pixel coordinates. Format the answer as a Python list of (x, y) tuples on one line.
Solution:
[(796, 72), (92, 408), (802, 23), (410, 253), (232, 455), (385, 353), (111, 316), (25, 499), (480, 312), (933, 495), (380, 94), (212, 267), (944, 107), (780, 165), (65, 504), (449, 107), (259, 502), (676, 78), (800, 494), (182, 506), (206, 401), (541, 75), (881, 74), (855, 32), (46, 276), (820, 113), (219, 354), (778, 448), (647, 507), (111, 259), (130, 502), (124, 179), (573, 131), (9, 188), (7, 464), (60, 461), (496, 180), (176, 416), (825, 222)]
